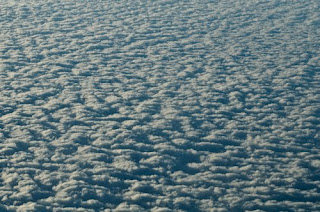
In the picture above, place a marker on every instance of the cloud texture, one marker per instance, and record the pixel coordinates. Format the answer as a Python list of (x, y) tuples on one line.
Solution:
[(159, 105)]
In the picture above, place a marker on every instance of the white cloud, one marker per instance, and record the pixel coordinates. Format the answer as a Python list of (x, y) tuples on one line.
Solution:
[(161, 106)]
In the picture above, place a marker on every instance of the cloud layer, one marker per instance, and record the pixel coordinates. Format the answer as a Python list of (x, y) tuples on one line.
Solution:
[(159, 105)]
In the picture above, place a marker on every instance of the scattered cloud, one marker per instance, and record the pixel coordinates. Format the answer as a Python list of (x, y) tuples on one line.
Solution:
[(159, 105)]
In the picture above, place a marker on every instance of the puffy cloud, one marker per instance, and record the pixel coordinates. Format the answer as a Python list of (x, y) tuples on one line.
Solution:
[(160, 105)]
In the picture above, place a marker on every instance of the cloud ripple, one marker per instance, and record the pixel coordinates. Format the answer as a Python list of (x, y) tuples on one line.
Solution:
[(159, 105)]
